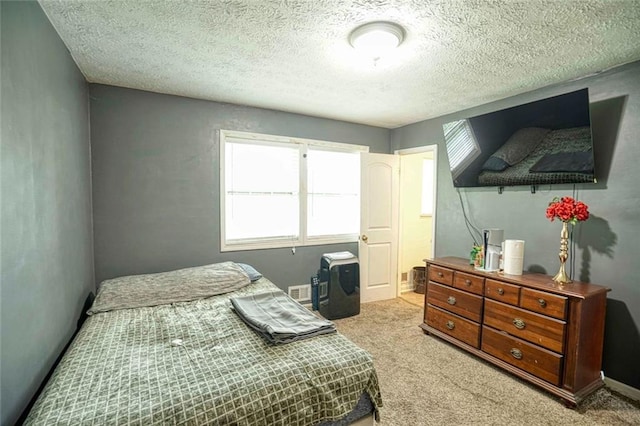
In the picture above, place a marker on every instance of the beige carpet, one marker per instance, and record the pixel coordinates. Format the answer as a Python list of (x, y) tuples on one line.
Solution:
[(425, 381)]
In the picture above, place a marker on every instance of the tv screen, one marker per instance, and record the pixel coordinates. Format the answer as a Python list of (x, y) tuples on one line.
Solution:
[(543, 142)]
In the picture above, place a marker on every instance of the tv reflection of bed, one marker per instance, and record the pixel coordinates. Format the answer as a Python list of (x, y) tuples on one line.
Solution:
[(168, 349), (562, 156)]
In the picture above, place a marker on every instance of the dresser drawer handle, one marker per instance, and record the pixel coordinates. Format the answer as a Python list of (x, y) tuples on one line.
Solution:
[(516, 353), (500, 291), (440, 274), (518, 323), (542, 303), (467, 282), (450, 325), (451, 300)]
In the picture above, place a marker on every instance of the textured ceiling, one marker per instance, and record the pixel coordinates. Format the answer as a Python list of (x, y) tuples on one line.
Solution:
[(294, 55)]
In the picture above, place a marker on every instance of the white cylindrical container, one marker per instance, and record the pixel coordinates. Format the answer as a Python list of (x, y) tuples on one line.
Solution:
[(513, 257)]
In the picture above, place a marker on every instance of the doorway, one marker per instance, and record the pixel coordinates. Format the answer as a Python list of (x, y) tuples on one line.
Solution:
[(416, 218)]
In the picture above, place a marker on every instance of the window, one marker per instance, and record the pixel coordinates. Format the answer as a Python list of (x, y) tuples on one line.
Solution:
[(281, 192), (427, 187), (462, 147)]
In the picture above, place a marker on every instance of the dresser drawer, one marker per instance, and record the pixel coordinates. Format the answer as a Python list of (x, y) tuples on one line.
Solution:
[(460, 302), (440, 275), (530, 326), (468, 282), (544, 303), (453, 325), (538, 361), (498, 290)]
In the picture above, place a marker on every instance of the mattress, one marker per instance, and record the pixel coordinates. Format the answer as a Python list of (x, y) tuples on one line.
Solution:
[(575, 141), (126, 366)]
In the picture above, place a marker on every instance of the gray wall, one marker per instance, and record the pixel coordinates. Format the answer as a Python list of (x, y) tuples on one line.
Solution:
[(605, 248), (47, 260), (156, 201), (156, 182)]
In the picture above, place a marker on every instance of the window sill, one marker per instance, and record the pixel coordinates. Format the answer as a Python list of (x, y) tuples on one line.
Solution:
[(265, 245)]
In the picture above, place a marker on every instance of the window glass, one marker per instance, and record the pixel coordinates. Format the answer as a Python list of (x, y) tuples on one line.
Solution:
[(269, 184), (262, 191), (333, 193), (427, 187)]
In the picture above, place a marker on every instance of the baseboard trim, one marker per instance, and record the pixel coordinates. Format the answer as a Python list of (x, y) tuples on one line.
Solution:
[(623, 389)]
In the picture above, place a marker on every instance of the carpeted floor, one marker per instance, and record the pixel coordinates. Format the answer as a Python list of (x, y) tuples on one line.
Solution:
[(426, 381)]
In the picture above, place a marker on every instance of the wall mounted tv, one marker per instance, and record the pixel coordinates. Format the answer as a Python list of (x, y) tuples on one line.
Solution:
[(543, 142)]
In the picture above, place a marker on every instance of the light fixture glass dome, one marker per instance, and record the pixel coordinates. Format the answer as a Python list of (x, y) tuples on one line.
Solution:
[(375, 39)]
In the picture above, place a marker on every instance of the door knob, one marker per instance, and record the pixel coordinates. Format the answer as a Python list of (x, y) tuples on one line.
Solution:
[(364, 238)]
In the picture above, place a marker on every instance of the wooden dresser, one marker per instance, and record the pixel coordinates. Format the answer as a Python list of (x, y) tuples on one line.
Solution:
[(547, 334)]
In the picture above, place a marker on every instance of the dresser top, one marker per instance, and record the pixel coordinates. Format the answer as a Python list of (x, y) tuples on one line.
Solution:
[(527, 279)]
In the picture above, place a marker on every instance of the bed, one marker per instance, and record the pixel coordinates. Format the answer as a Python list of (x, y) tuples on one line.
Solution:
[(561, 156), (169, 349)]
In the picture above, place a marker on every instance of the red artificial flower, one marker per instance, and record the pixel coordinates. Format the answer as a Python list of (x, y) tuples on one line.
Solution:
[(567, 210)]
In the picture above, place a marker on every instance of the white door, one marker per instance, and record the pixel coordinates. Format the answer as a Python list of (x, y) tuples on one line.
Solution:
[(378, 246)]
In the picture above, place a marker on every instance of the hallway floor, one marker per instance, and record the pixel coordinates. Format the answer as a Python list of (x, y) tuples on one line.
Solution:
[(413, 298)]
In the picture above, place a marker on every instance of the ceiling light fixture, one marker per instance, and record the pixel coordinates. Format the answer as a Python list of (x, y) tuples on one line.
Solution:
[(375, 39)]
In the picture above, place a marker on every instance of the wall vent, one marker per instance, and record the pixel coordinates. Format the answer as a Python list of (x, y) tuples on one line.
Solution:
[(300, 293)]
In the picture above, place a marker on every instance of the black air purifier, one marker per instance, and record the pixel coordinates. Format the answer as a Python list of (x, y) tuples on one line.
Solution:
[(339, 286)]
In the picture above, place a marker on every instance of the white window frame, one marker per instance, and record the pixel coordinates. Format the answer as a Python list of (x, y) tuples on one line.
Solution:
[(303, 239)]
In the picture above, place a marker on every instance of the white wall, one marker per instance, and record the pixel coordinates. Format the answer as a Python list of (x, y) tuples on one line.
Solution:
[(415, 228)]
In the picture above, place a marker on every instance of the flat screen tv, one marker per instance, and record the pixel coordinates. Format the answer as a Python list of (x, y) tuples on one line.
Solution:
[(542, 142)]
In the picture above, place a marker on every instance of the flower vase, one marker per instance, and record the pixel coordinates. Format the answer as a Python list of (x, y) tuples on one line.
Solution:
[(561, 277)]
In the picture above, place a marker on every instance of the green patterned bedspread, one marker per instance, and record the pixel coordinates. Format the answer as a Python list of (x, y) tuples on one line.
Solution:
[(123, 369)]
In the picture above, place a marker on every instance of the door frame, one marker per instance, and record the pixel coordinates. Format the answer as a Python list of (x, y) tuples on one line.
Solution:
[(426, 148)]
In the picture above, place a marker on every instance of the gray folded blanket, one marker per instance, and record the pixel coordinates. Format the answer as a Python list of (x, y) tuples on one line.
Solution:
[(278, 318)]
